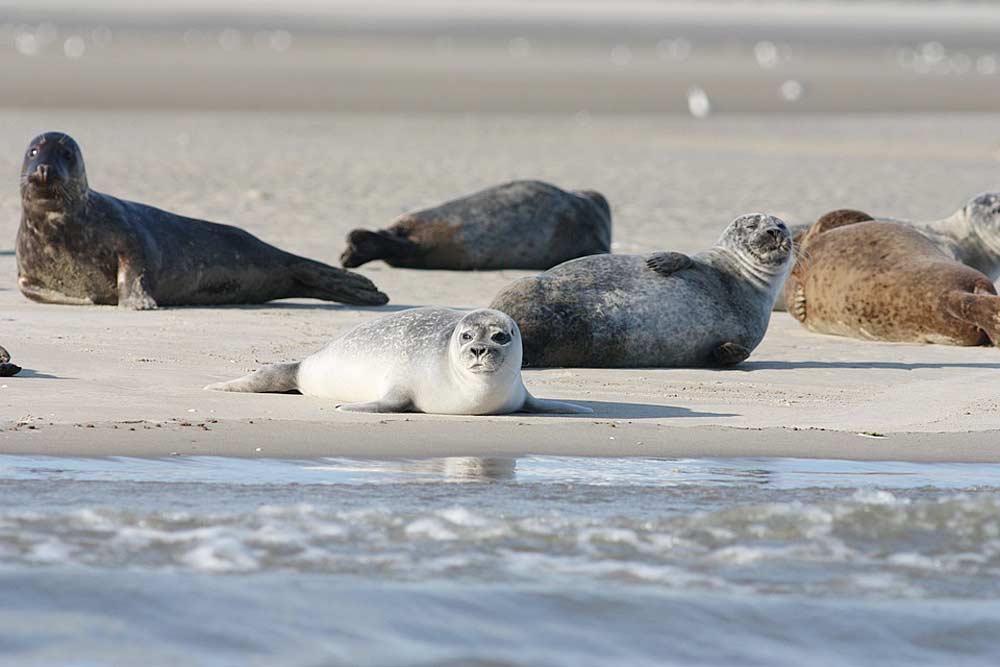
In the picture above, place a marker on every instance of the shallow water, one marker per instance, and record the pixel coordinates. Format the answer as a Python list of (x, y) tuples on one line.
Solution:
[(542, 560)]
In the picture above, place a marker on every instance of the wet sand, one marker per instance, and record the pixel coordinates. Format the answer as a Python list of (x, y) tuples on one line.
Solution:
[(101, 381)]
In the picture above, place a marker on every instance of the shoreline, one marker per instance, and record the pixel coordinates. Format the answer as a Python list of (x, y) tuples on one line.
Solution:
[(400, 436)]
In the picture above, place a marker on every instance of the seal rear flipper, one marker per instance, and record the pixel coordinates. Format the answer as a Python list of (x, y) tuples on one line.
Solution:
[(332, 284), (668, 263), (364, 246), (730, 354), (542, 406), (980, 308), (276, 379)]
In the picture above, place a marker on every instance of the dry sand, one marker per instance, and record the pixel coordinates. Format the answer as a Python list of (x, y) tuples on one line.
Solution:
[(103, 381)]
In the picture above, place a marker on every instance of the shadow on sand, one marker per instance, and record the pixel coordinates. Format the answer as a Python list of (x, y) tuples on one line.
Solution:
[(871, 365), (616, 410), (284, 305), (27, 373)]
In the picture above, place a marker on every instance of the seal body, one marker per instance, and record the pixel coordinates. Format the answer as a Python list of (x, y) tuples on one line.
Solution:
[(660, 310), (433, 360), (7, 369), (517, 225), (971, 235), (78, 246), (886, 281)]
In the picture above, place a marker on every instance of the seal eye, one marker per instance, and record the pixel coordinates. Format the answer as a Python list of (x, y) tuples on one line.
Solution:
[(33, 152), (466, 337), (501, 338)]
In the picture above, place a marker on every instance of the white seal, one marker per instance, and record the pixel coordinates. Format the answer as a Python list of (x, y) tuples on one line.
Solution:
[(434, 360)]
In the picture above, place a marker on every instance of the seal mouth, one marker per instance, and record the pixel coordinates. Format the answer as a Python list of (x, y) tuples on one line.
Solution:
[(481, 368)]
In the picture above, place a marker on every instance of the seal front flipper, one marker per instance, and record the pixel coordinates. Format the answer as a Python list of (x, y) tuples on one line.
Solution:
[(133, 290), (396, 400), (364, 246), (730, 354), (332, 284), (44, 295), (981, 308), (542, 406), (667, 263), (273, 379)]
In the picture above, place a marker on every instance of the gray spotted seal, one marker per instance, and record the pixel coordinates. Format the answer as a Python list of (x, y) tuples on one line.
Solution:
[(78, 246), (7, 369), (517, 225), (878, 280), (660, 310), (971, 235), (434, 360)]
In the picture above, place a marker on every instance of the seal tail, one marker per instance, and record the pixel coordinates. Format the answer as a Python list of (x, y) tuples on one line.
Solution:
[(274, 379), (364, 246), (328, 283)]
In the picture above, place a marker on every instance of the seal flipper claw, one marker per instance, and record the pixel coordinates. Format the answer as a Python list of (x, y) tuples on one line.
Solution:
[(333, 284), (730, 354), (364, 246), (667, 263)]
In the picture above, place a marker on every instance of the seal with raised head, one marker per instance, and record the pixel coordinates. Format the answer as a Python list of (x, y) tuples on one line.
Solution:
[(887, 281), (517, 225), (78, 246), (971, 235), (7, 369), (434, 360), (667, 309)]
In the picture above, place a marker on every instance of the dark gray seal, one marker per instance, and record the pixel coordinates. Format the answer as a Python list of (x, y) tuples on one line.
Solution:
[(660, 310), (78, 246), (7, 369), (518, 225)]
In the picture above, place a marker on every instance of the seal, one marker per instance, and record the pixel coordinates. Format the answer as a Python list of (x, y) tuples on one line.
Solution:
[(78, 246), (878, 280), (7, 369), (971, 235), (667, 309), (434, 360), (517, 225)]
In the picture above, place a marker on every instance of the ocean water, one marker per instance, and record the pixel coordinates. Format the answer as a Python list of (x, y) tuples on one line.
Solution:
[(464, 561)]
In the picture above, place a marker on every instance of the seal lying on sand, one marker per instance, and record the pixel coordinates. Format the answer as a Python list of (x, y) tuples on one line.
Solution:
[(433, 360), (78, 246), (887, 281), (665, 309), (971, 235), (518, 225), (7, 369)]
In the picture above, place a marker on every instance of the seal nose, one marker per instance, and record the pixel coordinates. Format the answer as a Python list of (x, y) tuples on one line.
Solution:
[(42, 174), (479, 351), (774, 233)]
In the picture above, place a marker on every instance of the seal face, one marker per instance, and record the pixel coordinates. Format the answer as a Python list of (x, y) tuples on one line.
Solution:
[(78, 246), (7, 369), (887, 281), (661, 310), (517, 225), (434, 360)]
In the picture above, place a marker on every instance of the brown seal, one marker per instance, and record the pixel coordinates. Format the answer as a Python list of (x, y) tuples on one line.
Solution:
[(7, 369), (78, 246), (886, 281), (517, 225)]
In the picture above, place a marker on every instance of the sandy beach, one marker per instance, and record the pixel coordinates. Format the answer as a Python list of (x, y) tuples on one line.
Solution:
[(100, 381)]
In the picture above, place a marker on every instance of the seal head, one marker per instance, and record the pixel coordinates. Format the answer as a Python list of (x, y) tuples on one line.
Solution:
[(983, 214), (485, 342), (53, 175), (762, 247)]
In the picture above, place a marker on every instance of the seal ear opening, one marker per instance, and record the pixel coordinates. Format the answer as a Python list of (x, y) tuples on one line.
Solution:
[(364, 246)]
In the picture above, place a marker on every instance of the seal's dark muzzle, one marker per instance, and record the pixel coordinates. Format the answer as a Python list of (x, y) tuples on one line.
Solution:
[(41, 174)]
